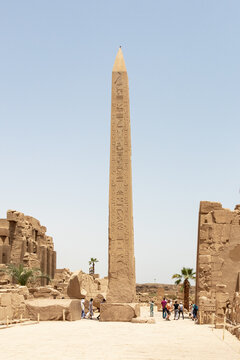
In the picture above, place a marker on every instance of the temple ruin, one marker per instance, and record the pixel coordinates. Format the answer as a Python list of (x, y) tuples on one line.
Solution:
[(218, 257), (23, 240)]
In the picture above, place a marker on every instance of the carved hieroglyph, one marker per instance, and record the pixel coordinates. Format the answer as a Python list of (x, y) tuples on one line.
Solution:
[(121, 271)]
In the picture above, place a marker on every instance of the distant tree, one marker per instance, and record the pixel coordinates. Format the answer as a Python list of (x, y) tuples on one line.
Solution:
[(183, 278), (22, 275), (92, 263)]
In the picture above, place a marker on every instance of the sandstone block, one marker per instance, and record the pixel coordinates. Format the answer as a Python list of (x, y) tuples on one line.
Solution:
[(207, 206), (5, 299), (205, 259), (17, 299), (223, 216), (119, 311), (2, 313), (81, 285), (97, 300), (52, 309)]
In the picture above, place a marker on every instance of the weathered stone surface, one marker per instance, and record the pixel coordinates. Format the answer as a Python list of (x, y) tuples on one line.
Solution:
[(218, 258), (12, 304), (207, 206), (119, 311), (45, 292), (5, 299), (83, 285), (51, 309), (23, 240), (98, 300), (121, 267)]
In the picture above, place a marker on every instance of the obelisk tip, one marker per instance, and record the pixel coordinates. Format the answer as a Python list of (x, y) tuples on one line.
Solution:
[(119, 64)]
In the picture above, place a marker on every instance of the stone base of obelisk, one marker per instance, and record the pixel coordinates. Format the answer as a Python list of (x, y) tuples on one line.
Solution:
[(119, 311)]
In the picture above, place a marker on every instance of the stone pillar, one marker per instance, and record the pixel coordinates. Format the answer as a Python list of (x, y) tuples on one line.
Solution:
[(6, 254), (49, 263), (54, 260), (1, 251), (121, 262), (43, 263)]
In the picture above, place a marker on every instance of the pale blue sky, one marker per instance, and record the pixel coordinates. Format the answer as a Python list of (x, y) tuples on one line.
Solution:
[(55, 84)]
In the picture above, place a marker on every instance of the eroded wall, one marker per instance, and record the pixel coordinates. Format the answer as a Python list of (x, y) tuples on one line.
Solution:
[(218, 256), (23, 240)]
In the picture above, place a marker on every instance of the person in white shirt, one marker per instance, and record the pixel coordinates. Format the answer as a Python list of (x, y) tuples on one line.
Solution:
[(83, 308)]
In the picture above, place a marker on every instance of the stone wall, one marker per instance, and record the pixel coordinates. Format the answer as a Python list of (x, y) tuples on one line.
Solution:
[(23, 240), (155, 291), (12, 302), (218, 259)]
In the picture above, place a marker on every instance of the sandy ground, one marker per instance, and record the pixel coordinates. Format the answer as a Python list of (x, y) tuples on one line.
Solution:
[(92, 340)]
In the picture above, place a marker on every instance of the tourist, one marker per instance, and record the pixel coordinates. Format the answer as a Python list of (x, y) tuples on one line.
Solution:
[(90, 312), (83, 308), (195, 311), (181, 310), (151, 308), (164, 311), (176, 306), (168, 309)]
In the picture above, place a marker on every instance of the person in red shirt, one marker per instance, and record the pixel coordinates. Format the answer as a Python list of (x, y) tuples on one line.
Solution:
[(164, 310)]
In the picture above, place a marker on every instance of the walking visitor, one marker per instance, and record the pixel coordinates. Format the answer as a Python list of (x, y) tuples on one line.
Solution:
[(168, 309), (164, 310), (181, 310), (90, 312), (176, 306), (151, 308), (195, 311), (83, 308)]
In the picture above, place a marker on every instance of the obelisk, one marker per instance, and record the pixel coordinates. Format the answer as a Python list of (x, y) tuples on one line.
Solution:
[(121, 261)]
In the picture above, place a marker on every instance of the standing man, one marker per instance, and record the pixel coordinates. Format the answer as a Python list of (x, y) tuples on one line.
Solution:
[(181, 310), (83, 308), (90, 312), (176, 306), (164, 310), (195, 311), (151, 308)]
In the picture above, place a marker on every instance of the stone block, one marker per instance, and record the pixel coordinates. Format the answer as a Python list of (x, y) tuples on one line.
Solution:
[(9, 311), (205, 259), (2, 313), (81, 285), (5, 299), (223, 216), (52, 309), (98, 300), (124, 312), (207, 206), (17, 300)]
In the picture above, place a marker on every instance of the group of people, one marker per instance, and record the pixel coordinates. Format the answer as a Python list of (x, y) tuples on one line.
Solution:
[(168, 307), (90, 309), (178, 308), (89, 314)]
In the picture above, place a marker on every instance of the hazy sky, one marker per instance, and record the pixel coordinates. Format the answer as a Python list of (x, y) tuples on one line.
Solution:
[(183, 62)]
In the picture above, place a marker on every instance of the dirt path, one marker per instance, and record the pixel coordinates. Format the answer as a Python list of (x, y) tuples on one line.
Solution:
[(92, 340)]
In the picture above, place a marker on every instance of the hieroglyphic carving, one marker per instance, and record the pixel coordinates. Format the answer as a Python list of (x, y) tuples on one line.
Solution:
[(121, 247)]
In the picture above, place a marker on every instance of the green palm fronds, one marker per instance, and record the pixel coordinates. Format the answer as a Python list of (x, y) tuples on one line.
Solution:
[(22, 275)]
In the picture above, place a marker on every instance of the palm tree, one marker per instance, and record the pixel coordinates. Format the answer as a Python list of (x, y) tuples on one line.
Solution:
[(92, 262), (22, 275), (186, 275)]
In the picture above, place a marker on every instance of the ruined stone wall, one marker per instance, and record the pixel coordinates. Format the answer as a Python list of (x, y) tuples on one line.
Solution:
[(218, 258), (12, 302), (23, 240)]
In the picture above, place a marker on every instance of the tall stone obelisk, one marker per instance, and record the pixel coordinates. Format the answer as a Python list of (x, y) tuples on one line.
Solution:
[(121, 261)]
